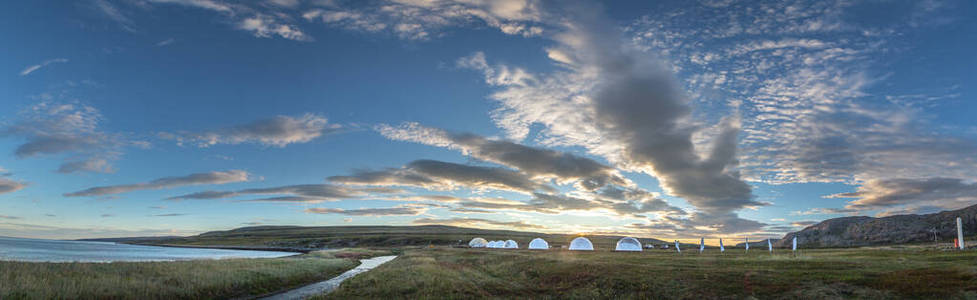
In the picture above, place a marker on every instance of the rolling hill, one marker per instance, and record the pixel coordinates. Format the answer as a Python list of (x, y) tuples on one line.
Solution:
[(302, 238), (870, 231)]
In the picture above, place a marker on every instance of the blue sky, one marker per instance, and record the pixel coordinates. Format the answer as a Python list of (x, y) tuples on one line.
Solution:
[(669, 119)]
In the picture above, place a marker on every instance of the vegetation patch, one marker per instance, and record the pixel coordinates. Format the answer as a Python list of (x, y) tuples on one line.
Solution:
[(454, 273), (197, 279)]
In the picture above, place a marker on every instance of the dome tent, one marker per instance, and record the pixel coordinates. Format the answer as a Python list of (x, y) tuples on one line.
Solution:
[(581, 244), (493, 244), (539, 244), (510, 244), (478, 243), (628, 244)]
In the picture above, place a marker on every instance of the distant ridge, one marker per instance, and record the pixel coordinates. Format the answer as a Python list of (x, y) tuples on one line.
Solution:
[(302, 238), (869, 231), (131, 239)]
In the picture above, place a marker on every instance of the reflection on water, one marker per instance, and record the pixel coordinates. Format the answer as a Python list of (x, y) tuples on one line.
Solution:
[(68, 251)]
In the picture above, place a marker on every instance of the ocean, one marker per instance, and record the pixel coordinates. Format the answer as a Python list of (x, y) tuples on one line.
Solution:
[(36, 250)]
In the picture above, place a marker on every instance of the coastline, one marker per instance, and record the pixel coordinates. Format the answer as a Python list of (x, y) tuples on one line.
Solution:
[(298, 251)]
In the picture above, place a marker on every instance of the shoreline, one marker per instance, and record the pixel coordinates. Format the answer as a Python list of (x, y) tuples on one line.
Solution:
[(225, 247)]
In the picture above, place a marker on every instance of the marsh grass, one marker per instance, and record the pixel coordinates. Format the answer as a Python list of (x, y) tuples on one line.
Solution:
[(197, 279), (820, 274)]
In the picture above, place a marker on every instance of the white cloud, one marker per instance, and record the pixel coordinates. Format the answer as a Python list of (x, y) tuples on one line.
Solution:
[(624, 106), (949, 193), (115, 14), (479, 223), (165, 42), (285, 3), (278, 131), (30, 69), (262, 20), (204, 4), (51, 128), (9, 186), (308, 193), (439, 175), (403, 210), (537, 162), (421, 20), (216, 177), (265, 26), (800, 75)]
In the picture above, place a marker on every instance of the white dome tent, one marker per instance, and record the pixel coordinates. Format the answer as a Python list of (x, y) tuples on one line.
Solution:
[(493, 244), (581, 244), (628, 244), (478, 243), (539, 244), (510, 244)]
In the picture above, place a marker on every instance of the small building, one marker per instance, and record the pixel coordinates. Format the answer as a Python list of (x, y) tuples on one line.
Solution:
[(628, 244), (478, 243), (581, 244), (539, 244)]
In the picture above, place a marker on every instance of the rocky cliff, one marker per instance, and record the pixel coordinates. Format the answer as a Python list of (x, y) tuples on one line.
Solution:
[(868, 231)]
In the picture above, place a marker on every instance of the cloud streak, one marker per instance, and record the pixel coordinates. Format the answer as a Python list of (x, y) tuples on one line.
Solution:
[(216, 177), (50, 128), (439, 175), (422, 20), (537, 162), (30, 69), (392, 211), (309, 193), (261, 20), (941, 192), (278, 131), (8, 185), (478, 223)]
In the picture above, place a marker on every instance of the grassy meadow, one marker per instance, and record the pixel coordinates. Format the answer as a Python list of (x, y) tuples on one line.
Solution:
[(442, 272), (196, 279)]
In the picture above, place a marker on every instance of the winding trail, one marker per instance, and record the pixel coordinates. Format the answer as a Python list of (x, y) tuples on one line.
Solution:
[(323, 287)]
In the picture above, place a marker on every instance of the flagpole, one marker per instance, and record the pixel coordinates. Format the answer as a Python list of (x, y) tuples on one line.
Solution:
[(960, 233), (793, 248)]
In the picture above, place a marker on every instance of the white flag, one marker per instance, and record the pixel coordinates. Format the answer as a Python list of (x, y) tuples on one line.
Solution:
[(747, 244), (702, 244), (721, 248), (794, 247), (677, 248), (960, 234), (769, 246)]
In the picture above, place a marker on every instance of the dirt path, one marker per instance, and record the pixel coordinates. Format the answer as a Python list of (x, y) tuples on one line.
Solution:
[(323, 287)]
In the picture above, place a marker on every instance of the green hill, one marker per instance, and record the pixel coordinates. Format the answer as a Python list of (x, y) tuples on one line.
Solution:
[(307, 238)]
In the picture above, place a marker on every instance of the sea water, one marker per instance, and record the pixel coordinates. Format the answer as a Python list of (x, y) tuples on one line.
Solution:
[(36, 250)]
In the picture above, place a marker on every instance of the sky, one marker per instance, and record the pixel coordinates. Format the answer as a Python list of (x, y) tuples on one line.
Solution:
[(664, 119)]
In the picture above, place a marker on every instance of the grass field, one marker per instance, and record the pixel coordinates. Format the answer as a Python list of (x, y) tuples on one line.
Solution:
[(428, 268), (820, 274), (198, 279)]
